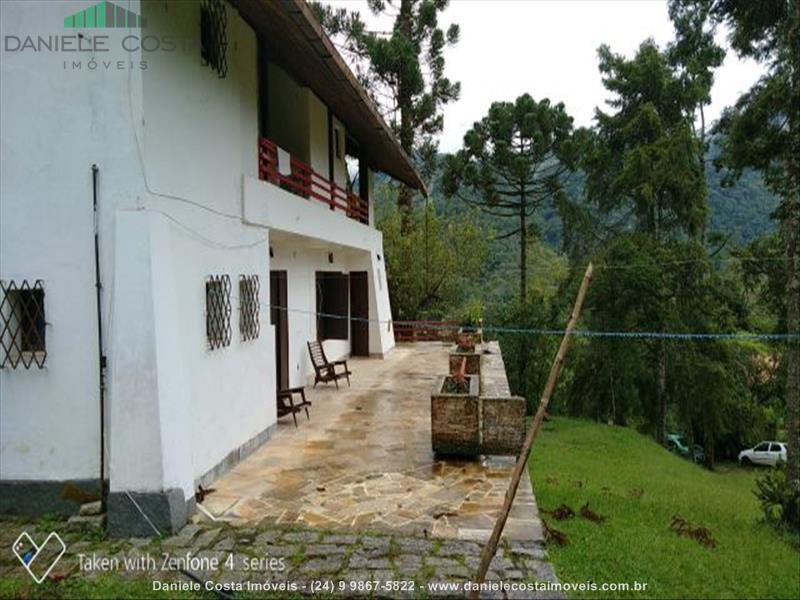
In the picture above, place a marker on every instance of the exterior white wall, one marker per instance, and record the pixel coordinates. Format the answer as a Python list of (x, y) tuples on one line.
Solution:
[(55, 122), (301, 263), (339, 163), (200, 136), (316, 231), (179, 201), (288, 113), (318, 134), (298, 122)]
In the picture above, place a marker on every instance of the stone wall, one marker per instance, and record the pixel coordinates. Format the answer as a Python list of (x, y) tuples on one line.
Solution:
[(455, 420), (473, 362), (503, 422), (491, 422)]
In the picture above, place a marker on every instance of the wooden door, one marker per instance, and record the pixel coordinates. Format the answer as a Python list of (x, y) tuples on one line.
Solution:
[(359, 313), (280, 318)]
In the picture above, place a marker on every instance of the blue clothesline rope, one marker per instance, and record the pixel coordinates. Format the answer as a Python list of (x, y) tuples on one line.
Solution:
[(587, 333)]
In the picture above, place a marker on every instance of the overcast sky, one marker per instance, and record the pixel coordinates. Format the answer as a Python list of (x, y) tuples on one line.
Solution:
[(548, 48)]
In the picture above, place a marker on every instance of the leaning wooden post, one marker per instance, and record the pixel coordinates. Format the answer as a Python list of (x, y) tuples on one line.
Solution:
[(491, 547)]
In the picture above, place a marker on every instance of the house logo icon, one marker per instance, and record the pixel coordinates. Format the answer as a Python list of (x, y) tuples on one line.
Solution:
[(104, 15), (39, 559)]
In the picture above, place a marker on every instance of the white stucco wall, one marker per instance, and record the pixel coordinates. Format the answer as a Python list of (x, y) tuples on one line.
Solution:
[(179, 201), (301, 263), (339, 163), (288, 113), (200, 136), (317, 134), (315, 231), (55, 122)]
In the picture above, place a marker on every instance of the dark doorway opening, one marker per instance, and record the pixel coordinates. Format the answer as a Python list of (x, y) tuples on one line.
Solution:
[(280, 318), (359, 313), (332, 302)]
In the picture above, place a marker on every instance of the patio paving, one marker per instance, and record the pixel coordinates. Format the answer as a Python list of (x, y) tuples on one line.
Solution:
[(363, 462)]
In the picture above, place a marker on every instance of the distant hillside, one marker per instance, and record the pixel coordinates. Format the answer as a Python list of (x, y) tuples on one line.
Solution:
[(743, 210)]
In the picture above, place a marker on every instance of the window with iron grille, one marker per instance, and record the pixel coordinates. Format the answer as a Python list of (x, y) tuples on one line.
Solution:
[(213, 36), (249, 325), (218, 311), (22, 324)]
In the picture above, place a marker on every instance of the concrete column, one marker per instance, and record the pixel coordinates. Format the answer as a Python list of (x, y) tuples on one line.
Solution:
[(150, 453), (381, 338)]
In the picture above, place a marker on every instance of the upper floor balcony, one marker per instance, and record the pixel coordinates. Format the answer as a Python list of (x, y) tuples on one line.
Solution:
[(278, 167)]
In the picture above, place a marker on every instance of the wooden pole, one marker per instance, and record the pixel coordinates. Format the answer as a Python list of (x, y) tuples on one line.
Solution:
[(491, 547)]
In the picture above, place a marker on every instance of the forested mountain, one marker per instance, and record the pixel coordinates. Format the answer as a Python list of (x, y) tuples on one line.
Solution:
[(740, 213)]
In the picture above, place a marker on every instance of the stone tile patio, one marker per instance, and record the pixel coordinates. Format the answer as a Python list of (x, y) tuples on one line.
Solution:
[(351, 498), (364, 462)]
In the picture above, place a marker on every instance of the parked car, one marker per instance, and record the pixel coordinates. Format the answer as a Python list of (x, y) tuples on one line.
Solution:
[(698, 454), (677, 443), (765, 453)]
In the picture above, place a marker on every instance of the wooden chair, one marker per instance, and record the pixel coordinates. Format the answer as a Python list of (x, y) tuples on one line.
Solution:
[(286, 403), (324, 370)]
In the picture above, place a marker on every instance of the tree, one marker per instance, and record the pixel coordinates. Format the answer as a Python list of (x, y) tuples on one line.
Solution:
[(403, 70), (642, 163), (695, 54), (513, 162), (641, 285), (762, 131), (428, 267)]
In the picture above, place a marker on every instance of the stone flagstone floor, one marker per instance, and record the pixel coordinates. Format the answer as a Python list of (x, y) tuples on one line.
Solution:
[(364, 461), (352, 496)]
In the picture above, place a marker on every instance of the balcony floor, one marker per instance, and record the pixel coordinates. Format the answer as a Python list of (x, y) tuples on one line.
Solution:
[(364, 461)]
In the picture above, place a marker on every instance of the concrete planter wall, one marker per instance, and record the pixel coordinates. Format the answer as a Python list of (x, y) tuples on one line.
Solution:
[(502, 425), (473, 361), (455, 419), (487, 419)]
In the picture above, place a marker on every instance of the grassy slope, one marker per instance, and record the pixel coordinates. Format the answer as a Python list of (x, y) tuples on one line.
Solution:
[(602, 464)]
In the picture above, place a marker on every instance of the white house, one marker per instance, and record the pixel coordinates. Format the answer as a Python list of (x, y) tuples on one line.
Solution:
[(175, 213)]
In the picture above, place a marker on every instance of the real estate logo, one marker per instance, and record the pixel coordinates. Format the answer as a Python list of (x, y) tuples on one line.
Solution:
[(104, 15), (39, 560)]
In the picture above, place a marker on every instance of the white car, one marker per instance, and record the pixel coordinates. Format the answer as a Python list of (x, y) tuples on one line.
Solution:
[(765, 453)]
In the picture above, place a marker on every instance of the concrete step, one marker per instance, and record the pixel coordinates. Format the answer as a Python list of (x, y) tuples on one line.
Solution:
[(88, 523)]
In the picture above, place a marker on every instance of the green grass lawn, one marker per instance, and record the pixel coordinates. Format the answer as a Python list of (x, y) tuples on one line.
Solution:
[(575, 461)]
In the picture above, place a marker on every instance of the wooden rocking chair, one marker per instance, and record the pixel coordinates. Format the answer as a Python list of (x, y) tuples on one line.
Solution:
[(286, 404), (325, 370)]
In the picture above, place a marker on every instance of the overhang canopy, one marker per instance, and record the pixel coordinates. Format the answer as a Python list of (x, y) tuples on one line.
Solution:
[(295, 39)]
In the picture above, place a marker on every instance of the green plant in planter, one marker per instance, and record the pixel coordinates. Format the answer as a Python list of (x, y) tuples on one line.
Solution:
[(455, 385)]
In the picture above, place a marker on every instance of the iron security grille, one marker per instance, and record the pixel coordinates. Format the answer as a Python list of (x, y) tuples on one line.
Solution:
[(214, 36), (249, 324), (218, 311), (22, 324)]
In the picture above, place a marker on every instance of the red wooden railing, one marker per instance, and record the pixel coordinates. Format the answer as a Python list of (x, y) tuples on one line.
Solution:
[(306, 182), (425, 331)]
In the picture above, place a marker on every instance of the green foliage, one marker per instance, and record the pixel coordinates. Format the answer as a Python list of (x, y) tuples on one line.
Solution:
[(643, 157), (779, 496), (641, 285), (763, 132), (429, 266), (471, 313), (527, 363), (640, 486), (756, 135), (695, 52)]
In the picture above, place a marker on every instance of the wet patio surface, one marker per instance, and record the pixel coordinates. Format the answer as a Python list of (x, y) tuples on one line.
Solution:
[(364, 462)]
